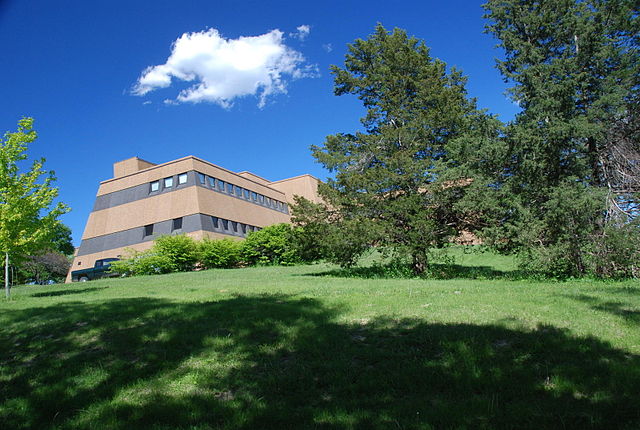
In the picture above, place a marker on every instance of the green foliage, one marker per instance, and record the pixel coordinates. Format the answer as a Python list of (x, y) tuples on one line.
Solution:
[(615, 253), (395, 183), (27, 218), (148, 262), (42, 268), (180, 250), (324, 234), (274, 244), (571, 166), (61, 239), (223, 253), (177, 253)]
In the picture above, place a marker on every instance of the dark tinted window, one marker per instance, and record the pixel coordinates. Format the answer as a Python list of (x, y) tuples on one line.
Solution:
[(221, 185), (212, 182), (246, 194), (234, 225), (177, 224), (225, 224), (201, 178), (229, 188), (216, 221), (148, 229)]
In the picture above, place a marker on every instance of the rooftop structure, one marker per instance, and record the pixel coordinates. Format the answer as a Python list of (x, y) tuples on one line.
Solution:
[(144, 201)]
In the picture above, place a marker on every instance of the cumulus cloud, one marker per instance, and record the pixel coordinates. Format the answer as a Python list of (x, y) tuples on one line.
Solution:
[(302, 32), (224, 69)]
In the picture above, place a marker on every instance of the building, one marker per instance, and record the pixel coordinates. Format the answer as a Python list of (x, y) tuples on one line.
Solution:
[(144, 201)]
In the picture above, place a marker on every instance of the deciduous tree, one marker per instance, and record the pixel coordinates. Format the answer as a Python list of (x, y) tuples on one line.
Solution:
[(28, 215)]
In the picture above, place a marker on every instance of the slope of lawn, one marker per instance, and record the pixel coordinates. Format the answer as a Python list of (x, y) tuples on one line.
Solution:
[(316, 347)]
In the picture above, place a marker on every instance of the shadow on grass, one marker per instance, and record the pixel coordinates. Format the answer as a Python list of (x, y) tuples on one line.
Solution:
[(617, 308), (274, 362), (66, 292), (436, 271)]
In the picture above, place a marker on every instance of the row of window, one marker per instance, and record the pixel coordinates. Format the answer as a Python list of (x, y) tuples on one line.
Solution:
[(222, 186), (242, 193), (176, 225), (227, 226), (168, 182), (233, 227)]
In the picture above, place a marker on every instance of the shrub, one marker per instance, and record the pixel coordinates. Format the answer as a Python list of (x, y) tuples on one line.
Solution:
[(224, 253), (42, 268), (615, 253), (168, 254), (180, 251), (143, 263), (271, 245)]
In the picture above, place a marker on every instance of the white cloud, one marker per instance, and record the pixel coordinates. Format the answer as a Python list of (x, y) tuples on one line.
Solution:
[(327, 47), (302, 33), (224, 69)]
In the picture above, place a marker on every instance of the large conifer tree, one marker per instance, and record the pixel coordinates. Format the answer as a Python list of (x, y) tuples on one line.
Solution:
[(391, 187), (574, 162)]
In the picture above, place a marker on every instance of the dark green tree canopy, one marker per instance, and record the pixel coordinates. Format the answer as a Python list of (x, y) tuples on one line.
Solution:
[(395, 176), (61, 240), (575, 66), (573, 164)]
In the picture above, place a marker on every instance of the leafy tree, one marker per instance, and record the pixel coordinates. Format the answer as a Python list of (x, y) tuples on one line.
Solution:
[(41, 268), (27, 218), (395, 183), (61, 240), (574, 159)]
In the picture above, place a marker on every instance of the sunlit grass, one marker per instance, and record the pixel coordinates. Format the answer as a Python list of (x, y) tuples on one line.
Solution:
[(302, 347)]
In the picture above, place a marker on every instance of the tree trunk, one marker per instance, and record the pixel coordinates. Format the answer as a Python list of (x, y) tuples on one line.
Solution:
[(6, 274), (419, 265)]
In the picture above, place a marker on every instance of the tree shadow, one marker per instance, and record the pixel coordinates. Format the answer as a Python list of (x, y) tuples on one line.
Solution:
[(66, 292), (436, 271), (617, 308), (277, 361)]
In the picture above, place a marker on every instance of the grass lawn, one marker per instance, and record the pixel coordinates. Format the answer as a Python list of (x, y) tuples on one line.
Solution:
[(309, 347)]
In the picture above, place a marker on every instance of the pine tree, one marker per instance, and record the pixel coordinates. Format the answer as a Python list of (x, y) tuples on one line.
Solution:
[(574, 163), (394, 185)]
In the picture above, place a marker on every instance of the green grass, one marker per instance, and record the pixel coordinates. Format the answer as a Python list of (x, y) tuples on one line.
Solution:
[(302, 347)]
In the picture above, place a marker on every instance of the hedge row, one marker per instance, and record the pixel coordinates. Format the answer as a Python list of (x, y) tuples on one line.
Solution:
[(273, 245)]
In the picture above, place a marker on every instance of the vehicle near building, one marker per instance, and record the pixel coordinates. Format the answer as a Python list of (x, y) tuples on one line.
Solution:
[(101, 269)]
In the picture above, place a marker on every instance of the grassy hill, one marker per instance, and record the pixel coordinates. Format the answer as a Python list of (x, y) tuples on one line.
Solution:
[(316, 347)]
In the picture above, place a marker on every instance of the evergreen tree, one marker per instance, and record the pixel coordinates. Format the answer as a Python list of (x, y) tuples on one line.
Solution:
[(395, 184), (574, 161)]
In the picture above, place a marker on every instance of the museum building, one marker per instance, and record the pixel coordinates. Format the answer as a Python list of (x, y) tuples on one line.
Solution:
[(144, 201)]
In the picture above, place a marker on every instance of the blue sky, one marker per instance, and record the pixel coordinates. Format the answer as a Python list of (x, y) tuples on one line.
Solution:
[(75, 67)]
